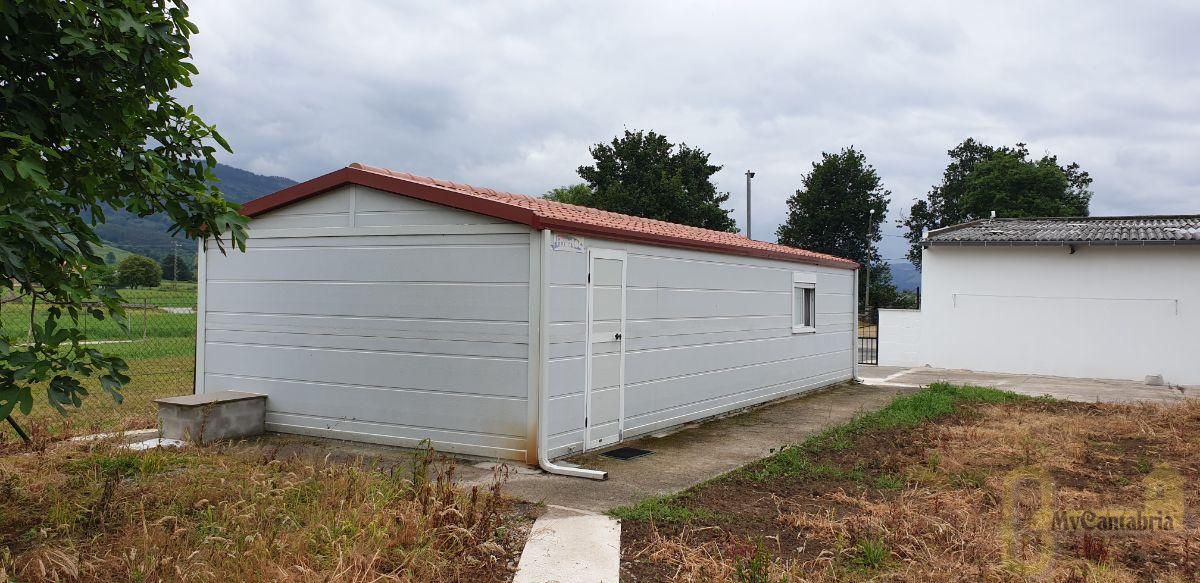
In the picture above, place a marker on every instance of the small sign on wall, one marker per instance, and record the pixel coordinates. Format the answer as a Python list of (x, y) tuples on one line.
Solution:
[(566, 243)]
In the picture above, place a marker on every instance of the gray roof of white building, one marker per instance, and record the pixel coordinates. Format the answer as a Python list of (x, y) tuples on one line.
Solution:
[(1143, 230)]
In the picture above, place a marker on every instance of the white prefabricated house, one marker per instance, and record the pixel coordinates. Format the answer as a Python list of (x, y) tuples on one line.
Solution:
[(1096, 297), (385, 307)]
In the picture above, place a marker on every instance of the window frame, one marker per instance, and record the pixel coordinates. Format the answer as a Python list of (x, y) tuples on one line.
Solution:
[(803, 283)]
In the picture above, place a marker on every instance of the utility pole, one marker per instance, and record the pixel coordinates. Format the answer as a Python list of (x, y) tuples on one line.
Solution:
[(749, 175), (867, 302), (175, 266)]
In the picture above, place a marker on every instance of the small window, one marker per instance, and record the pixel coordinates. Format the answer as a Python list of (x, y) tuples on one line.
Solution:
[(804, 303)]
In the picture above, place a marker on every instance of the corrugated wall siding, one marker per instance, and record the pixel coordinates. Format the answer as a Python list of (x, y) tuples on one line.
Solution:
[(360, 323), (705, 333)]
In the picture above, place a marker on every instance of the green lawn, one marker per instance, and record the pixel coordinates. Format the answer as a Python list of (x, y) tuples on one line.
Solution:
[(178, 294), (159, 347), (142, 324)]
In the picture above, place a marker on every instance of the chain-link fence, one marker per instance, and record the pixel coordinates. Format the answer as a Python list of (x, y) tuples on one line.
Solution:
[(159, 346)]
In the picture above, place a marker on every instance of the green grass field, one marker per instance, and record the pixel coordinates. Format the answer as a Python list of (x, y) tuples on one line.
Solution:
[(159, 347)]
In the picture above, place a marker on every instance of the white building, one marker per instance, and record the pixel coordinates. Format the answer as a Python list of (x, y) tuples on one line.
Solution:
[(1102, 297), (390, 308)]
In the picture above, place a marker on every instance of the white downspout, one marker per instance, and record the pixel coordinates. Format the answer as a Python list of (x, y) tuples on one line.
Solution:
[(543, 372)]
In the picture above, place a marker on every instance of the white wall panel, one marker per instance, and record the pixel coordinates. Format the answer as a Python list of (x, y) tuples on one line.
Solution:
[(398, 435), (901, 345), (517, 350), (335, 325), (401, 370), (480, 301), (389, 338), (484, 261), (485, 414), (679, 303)]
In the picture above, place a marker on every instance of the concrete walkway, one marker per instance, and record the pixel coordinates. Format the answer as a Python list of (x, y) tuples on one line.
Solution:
[(571, 546), (1070, 389), (696, 453)]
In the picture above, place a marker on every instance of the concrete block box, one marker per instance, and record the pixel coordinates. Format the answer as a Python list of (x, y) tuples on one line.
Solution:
[(208, 417)]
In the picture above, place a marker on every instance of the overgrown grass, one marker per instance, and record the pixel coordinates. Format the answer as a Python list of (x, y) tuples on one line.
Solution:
[(799, 461), (929, 404), (97, 512), (938, 501)]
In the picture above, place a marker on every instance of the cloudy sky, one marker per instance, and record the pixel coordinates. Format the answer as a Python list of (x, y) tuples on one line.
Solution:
[(511, 94)]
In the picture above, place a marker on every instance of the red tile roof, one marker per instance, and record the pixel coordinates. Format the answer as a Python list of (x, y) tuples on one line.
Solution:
[(539, 214)]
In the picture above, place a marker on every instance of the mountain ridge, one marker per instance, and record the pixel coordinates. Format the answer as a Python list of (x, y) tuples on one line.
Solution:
[(148, 235)]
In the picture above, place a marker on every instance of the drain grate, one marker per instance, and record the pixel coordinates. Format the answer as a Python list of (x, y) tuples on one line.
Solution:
[(626, 453)]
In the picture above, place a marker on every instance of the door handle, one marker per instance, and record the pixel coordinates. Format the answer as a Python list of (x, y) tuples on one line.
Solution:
[(618, 335)]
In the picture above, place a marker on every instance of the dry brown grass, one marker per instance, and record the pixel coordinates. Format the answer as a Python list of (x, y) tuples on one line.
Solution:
[(947, 521), (95, 512)]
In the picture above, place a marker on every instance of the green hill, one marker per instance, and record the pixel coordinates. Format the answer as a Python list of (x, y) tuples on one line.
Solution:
[(148, 235)]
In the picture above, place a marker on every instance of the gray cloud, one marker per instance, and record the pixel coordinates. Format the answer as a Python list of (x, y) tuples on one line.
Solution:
[(510, 95)]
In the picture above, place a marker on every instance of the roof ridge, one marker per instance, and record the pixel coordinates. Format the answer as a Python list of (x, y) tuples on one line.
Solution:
[(1090, 218), (1141, 230)]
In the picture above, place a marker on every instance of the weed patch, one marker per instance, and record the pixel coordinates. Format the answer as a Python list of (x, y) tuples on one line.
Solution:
[(669, 508)]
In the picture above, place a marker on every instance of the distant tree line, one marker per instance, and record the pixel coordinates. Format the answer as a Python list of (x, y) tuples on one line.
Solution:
[(139, 271), (841, 204)]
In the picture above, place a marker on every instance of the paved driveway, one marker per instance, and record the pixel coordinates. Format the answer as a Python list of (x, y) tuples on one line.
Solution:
[(1071, 389)]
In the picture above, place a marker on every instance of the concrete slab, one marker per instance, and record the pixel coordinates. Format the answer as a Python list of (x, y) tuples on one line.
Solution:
[(695, 454), (154, 443), (1070, 389), (571, 546)]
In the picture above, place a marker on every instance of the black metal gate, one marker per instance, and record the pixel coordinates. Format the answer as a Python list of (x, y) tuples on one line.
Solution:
[(868, 337)]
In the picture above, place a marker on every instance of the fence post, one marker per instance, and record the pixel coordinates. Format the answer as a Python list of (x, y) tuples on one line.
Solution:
[(145, 316)]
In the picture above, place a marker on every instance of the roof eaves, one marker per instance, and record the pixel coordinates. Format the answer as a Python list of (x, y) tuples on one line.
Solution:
[(427, 192), (453, 195), (689, 243), (296, 192)]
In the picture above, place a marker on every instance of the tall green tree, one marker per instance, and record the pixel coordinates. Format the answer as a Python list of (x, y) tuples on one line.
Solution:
[(839, 210), (89, 121), (980, 179), (643, 174), (177, 266)]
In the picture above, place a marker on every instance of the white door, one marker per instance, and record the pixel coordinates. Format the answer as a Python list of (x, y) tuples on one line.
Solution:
[(605, 399)]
